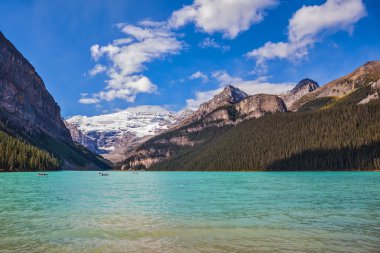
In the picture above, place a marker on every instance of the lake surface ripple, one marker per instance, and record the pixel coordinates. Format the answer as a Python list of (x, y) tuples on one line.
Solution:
[(190, 212)]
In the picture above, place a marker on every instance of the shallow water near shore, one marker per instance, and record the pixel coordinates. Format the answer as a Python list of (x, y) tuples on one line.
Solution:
[(190, 212)]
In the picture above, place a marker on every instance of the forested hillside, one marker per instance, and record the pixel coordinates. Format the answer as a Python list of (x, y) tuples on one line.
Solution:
[(17, 155), (339, 138), (332, 127)]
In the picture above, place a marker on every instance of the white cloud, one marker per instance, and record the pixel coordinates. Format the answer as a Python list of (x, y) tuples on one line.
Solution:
[(88, 101), (127, 58), (201, 97), (306, 26), (123, 41), (251, 87), (225, 79), (98, 51), (257, 87), (125, 87), (337, 14), (150, 23), (211, 43), (230, 17), (199, 75), (97, 69)]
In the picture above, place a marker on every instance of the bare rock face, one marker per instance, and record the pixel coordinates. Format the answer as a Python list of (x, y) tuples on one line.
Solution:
[(24, 100), (145, 158), (251, 107), (258, 105), (221, 115), (375, 86), (304, 87), (229, 96), (81, 138)]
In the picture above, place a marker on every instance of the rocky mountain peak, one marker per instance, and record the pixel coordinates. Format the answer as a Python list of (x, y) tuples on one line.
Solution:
[(303, 87), (229, 95), (232, 94), (306, 84), (370, 70), (372, 63)]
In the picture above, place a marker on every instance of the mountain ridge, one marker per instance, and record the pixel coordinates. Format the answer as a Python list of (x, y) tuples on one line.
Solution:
[(28, 112), (228, 96), (223, 110), (360, 79), (194, 145), (115, 133)]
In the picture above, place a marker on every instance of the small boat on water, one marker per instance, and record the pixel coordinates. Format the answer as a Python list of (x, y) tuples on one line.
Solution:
[(42, 174), (103, 174)]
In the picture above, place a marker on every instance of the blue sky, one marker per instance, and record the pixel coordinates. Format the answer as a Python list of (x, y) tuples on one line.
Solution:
[(98, 57)]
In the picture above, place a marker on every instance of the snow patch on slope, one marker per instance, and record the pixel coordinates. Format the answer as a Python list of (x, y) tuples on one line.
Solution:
[(118, 129)]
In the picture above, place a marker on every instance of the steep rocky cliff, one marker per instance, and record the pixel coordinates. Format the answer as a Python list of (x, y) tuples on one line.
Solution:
[(81, 138), (258, 105), (29, 112), (24, 100)]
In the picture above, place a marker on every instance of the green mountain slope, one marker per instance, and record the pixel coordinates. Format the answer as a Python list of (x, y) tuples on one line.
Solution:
[(56, 153), (332, 127), (18, 155), (339, 138)]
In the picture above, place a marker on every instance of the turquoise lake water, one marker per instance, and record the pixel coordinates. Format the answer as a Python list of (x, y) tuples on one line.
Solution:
[(190, 212)]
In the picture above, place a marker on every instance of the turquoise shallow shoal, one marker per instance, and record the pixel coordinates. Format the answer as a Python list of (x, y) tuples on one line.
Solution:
[(190, 212)]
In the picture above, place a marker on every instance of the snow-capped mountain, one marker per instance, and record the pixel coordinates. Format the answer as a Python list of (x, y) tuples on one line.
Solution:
[(125, 129)]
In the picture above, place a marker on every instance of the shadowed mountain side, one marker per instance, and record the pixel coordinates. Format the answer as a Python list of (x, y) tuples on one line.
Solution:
[(31, 118), (365, 157)]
